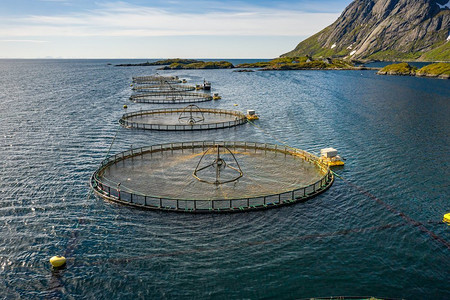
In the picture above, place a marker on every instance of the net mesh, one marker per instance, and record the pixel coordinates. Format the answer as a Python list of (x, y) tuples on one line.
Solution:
[(183, 119), (162, 176)]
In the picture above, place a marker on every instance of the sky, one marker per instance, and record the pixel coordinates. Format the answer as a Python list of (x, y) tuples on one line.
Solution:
[(160, 28)]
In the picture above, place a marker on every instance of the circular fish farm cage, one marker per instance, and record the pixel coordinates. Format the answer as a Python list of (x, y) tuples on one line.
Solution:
[(163, 88), (191, 117), (156, 79), (205, 177), (170, 97)]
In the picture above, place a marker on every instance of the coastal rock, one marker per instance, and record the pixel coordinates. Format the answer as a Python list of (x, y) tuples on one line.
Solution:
[(162, 62), (384, 30), (438, 70), (200, 65), (398, 69)]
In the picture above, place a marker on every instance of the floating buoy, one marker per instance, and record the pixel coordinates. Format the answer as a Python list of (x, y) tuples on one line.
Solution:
[(216, 96), (446, 218), (235, 104), (58, 261), (131, 84), (125, 106)]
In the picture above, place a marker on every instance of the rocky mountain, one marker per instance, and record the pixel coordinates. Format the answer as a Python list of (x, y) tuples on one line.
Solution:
[(385, 30)]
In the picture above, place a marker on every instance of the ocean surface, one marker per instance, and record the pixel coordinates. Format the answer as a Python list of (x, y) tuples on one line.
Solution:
[(376, 232)]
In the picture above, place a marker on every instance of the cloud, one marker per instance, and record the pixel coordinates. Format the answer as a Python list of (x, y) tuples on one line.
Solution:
[(122, 19), (22, 41)]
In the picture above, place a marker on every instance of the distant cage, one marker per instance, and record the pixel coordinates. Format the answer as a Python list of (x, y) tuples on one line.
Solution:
[(161, 88), (170, 97), (112, 191), (130, 120), (156, 79)]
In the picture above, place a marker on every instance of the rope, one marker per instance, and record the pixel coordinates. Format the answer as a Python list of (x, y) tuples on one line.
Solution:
[(272, 136), (56, 281), (405, 217), (112, 142), (253, 243), (89, 194), (395, 211)]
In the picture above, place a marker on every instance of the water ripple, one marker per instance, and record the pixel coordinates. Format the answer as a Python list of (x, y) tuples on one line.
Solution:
[(58, 119)]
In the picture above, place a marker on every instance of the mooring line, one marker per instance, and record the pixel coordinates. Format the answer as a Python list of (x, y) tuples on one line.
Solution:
[(56, 279), (113, 140), (370, 195), (75, 234), (271, 135), (395, 211), (254, 243)]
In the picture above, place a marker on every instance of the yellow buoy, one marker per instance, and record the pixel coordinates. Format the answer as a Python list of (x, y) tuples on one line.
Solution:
[(58, 261), (131, 84), (446, 218), (235, 104), (125, 106)]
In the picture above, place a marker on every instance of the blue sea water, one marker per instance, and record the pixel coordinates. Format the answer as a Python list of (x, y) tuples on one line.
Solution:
[(377, 233)]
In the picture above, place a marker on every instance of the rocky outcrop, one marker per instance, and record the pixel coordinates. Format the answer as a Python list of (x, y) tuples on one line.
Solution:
[(437, 70), (200, 65), (161, 62), (385, 30), (403, 69)]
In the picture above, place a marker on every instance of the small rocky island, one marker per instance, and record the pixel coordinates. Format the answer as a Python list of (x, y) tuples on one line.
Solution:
[(281, 63), (436, 70), (161, 62), (199, 65), (178, 63)]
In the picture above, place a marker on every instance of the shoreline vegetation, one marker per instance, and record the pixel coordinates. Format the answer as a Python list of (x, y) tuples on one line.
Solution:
[(282, 63), (304, 63), (436, 70), (178, 63)]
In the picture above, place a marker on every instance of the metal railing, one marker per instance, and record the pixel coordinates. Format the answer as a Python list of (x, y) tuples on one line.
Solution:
[(164, 88), (171, 97), (240, 118), (156, 79), (114, 192)]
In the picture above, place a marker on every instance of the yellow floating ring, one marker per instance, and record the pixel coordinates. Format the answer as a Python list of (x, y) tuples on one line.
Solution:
[(58, 261), (446, 218)]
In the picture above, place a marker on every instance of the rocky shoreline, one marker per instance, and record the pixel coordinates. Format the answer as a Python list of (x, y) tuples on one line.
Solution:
[(436, 70)]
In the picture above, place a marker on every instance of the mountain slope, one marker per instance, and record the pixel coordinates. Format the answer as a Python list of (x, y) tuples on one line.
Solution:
[(385, 30)]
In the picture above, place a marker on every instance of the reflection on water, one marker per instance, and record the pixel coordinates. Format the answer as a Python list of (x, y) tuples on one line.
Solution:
[(59, 118)]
